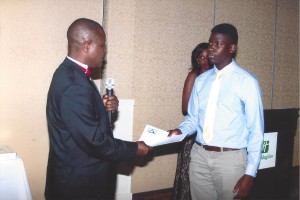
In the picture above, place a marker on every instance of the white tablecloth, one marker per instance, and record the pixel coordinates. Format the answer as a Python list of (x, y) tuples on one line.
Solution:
[(13, 180)]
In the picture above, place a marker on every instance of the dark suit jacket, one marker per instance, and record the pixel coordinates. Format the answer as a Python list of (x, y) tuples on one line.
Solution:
[(83, 151)]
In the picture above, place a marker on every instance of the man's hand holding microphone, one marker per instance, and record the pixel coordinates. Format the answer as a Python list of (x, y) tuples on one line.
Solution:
[(111, 104)]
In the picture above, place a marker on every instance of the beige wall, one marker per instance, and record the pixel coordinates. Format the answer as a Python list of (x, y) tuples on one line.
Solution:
[(32, 44), (149, 46)]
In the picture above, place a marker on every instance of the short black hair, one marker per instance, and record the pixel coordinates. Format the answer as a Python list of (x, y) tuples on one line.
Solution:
[(227, 29), (81, 26)]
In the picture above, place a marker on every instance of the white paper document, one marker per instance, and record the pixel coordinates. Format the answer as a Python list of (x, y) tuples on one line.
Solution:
[(153, 136)]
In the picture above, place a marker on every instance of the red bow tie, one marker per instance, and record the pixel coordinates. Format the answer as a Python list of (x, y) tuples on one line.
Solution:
[(87, 71)]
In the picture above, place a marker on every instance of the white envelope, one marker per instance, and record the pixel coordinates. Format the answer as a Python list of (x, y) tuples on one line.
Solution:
[(153, 136)]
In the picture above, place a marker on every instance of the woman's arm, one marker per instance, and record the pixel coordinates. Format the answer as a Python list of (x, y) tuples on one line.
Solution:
[(187, 89)]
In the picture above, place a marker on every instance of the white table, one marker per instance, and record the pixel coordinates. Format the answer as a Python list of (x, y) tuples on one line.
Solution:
[(13, 180)]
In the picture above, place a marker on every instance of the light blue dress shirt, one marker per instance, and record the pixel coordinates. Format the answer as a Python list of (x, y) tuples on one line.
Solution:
[(239, 120)]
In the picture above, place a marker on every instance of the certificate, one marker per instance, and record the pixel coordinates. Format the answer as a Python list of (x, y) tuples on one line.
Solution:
[(153, 136)]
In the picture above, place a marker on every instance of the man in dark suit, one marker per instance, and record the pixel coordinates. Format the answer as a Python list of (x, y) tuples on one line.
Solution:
[(83, 151)]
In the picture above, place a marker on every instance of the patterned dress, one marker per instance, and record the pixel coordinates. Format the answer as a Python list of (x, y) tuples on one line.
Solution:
[(181, 187)]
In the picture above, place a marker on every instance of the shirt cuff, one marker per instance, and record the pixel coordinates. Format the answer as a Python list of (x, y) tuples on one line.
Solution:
[(251, 171)]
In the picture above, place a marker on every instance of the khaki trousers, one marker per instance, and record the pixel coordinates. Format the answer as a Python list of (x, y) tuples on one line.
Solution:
[(213, 175)]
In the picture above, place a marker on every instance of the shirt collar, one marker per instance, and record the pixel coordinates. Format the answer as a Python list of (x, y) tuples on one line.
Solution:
[(226, 69), (78, 63)]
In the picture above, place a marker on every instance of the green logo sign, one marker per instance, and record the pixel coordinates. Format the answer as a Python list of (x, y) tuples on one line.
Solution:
[(265, 150), (265, 147)]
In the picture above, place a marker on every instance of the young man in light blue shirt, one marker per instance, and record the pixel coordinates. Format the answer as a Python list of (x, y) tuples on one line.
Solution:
[(223, 165)]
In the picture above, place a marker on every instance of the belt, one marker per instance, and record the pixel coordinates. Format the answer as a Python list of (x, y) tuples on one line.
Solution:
[(213, 148)]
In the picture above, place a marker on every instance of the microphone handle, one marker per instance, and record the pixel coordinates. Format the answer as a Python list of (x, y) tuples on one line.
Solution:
[(109, 93)]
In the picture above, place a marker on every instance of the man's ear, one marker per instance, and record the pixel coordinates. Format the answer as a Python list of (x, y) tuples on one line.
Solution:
[(85, 46), (232, 48)]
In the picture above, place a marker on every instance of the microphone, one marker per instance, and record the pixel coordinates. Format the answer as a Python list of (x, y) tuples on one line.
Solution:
[(109, 85)]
